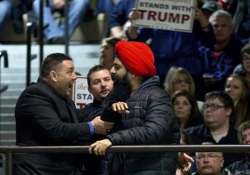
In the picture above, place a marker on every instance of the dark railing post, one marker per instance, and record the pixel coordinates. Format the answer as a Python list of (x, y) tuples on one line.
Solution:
[(7, 163), (66, 34), (41, 12), (28, 56)]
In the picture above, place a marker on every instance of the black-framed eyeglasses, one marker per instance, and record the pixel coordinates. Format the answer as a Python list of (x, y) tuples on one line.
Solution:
[(212, 106)]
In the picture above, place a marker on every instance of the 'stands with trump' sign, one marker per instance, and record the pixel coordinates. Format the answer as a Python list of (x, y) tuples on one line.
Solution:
[(81, 96), (176, 15)]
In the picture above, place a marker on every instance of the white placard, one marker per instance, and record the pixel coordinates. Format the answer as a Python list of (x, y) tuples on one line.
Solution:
[(81, 96), (175, 15)]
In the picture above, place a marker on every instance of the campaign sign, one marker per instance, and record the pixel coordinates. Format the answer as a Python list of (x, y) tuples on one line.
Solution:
[(81, 96), (175, 15)]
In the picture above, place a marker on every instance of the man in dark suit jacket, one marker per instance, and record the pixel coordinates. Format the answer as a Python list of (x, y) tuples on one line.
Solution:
[(46, 115)]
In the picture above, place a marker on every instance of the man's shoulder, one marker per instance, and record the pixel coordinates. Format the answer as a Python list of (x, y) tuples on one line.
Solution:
[(38, 91)]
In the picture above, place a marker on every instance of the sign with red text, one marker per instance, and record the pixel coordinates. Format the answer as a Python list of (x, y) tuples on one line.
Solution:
[(81, 96), (175, 15)]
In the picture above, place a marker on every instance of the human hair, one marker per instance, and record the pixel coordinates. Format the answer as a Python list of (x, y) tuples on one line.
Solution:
[(174, 74), (245, 49), (242, 127), (195, 114), (51, 61), (108, 43), (221, 13), (111, 41), (242, 112), (223, 97), (95, 68)]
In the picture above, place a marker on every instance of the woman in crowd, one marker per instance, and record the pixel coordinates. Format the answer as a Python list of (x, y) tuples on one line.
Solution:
[(186, 109), (179, 79), (244, 68), (236, 87)]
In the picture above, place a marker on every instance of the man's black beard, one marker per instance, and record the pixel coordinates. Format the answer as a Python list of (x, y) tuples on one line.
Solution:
[(120, 92)]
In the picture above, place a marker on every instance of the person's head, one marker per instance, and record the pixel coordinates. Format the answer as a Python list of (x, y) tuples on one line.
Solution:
[(209, 7), (107, 51), (185, 106), (118, 71), (222, 24), (218, 109), (100, 82), (138, 59), (244, 132), (59, 72), (179, 79), (245, 57), (209, 163), (236, 87)]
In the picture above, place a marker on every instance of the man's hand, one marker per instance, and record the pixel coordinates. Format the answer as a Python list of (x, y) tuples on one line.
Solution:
[(201, 18), (58, 4), (100, 147), (185, 162), (120, 107), (134, 15), (101, 127)]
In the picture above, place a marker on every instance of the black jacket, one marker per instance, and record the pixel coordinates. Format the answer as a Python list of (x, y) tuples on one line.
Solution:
[(151, 121), (45, 118)]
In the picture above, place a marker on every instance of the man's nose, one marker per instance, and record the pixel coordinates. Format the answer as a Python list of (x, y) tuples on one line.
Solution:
[(112, 70), (74, 76)]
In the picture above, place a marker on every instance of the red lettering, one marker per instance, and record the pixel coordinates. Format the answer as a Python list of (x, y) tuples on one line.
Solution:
[(152, 15), (162, 17), (185, 18), (175, 18), (142, 12)]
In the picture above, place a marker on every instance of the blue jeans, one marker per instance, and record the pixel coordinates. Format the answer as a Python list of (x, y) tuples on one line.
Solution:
[(77, 9), (5, 9)]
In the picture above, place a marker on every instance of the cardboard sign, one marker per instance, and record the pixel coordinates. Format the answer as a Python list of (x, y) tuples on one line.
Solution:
[(175, 15), (81, 96)]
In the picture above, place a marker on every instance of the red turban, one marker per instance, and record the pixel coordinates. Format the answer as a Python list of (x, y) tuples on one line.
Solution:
[(137, 57)]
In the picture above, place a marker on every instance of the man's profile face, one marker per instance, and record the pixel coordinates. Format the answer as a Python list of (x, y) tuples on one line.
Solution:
[(101, 84), (64, 77), (118, 70)]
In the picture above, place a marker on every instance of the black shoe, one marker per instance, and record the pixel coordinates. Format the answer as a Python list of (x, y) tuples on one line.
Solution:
[(3, 88)]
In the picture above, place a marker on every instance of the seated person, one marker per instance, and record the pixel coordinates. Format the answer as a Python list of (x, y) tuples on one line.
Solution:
[(242, 166), (243, 69), (53, 11), (5, 9), (210, 163), (218, 110)]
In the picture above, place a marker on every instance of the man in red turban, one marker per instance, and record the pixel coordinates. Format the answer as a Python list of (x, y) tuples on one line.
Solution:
[(147, 117)]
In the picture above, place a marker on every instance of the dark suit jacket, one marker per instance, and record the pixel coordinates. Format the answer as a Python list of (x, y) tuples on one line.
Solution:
[(45, 118)]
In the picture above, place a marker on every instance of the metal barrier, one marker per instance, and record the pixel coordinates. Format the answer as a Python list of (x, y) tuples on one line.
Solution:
[(9, 150)]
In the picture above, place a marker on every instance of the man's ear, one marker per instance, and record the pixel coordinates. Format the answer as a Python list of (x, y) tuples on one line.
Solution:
[(53, 76), (229, 111)]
